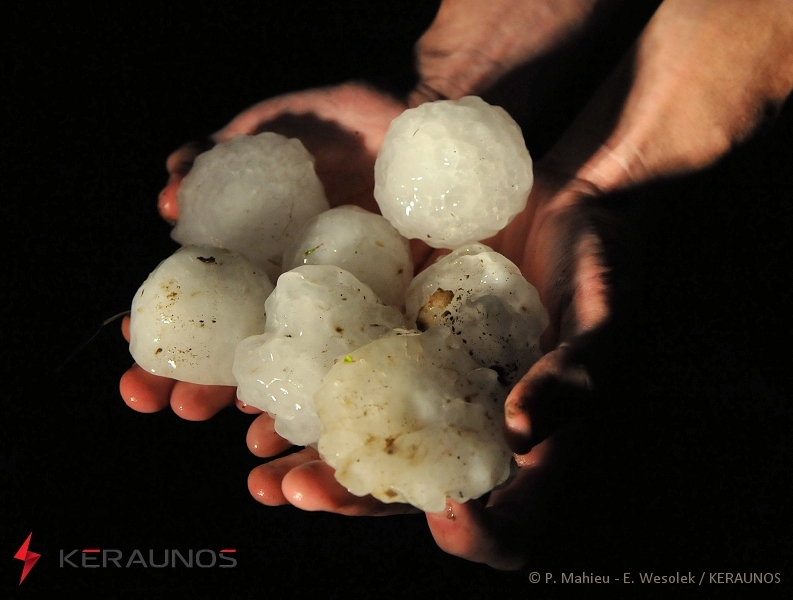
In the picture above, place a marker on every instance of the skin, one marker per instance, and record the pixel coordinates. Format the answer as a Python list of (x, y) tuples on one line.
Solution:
[(471, 45), (699, 80)]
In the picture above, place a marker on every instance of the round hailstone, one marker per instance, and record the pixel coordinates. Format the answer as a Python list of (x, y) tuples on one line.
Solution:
[(484, 299), (358, 241), (250, 194), (452, 172), (192, 311), (411, 418), (316, 314)]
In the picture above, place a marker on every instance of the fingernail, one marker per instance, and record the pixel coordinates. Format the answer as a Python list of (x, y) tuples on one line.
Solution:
[(518, 428), (517, 420)]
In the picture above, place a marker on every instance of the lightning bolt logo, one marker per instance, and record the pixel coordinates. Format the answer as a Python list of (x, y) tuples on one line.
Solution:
[(27, 556)]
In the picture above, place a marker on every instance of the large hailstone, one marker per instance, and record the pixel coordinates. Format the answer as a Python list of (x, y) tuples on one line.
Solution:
[(452, 172), (411, 418), (358, 241), (250, 194), (483, 298), (316, 314), (191, 312)]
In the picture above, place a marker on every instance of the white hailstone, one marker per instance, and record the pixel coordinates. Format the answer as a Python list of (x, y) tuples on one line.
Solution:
[(192, 311), (316, 314), (249, 194), (358, 241), (452, 172), (411, 418), (483, 298)]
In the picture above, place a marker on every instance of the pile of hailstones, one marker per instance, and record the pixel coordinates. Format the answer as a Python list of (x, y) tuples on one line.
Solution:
[(398, 381)]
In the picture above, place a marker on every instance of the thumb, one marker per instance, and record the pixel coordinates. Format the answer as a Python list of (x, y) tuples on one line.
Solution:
[(472, 533), (555, 391), (178, 165)]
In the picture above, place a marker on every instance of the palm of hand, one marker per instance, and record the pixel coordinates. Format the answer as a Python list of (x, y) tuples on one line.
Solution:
[(343, 128)]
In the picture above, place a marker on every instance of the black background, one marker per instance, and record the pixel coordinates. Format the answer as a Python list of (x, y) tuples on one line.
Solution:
[(696, 424)]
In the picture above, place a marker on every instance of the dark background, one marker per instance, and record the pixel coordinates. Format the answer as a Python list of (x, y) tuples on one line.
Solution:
[(691, 456)]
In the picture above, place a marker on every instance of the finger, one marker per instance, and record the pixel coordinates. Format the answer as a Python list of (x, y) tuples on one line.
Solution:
[(146, 392), (262, 439), (498, 535), (579, 294), (264, 482), (143, 391), (554, 392), (194, 402), (178, 164), (312, 486), (125, 328), (468, 531), (166, 201)]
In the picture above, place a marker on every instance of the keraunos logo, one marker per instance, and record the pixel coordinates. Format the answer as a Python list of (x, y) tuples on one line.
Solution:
[(96, 558), (112, 558), (28, 557)]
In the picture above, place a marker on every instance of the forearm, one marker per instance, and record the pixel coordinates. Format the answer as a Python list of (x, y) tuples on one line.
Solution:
[(472, 44), (702, 76)]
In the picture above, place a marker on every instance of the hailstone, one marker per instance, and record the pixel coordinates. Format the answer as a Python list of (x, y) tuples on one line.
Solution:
[(412, 418), (483, 298), (316, 314), (452, 172), (250, 194), (191, 312), (358, 241)]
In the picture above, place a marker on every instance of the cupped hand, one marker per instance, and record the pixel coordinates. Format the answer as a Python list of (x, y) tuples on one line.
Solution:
[(343, 128), (556, 248), (670, 107), (699, 80), (563, 256), (681, 98)]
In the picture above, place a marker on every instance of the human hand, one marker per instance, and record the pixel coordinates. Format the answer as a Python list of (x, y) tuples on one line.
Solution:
[(553, 391), (488, 534), (637, 129), (343, 128), (663, 112), (471, 46)]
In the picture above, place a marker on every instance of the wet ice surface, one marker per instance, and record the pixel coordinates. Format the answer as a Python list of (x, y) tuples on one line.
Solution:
[(316, 314), (408, 417), (412, 418), (191, 312), (452, 172), (250, 194), (483, 298), (358, 241)]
